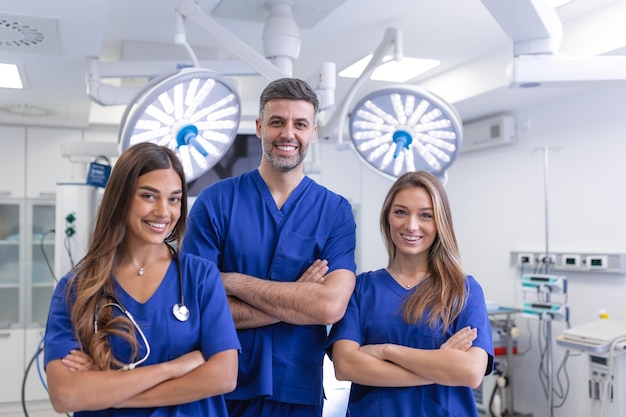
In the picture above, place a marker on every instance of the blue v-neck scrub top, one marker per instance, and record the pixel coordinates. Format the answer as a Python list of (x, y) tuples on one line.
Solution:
[(210, 329), (236, 223), (374, 316)]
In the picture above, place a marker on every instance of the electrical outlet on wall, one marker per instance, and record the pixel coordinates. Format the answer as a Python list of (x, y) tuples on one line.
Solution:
[(525, 258), (571, 261), (597, 262)]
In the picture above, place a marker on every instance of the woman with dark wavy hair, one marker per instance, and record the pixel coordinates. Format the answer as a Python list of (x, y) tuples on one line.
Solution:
[(415, 338), (137, 328)]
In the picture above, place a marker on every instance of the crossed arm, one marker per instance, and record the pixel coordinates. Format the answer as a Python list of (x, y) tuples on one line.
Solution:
[(456, 363), (74, 383), (315, 298)]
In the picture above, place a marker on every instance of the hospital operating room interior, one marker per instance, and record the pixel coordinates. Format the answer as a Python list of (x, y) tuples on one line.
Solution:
[(519, 113)]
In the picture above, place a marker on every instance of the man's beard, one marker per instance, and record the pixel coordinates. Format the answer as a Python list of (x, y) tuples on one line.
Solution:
[(282, 163)]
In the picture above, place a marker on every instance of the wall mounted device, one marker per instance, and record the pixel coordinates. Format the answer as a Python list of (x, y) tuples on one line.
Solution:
[(541, 282), (546, 311), (597, 261), (607, 262), (487, 133)]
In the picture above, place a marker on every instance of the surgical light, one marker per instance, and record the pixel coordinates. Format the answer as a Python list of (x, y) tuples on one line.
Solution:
[(405, 128), (193, 111)]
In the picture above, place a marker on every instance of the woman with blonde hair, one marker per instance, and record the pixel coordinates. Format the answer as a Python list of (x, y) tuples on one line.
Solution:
[(415, 338)]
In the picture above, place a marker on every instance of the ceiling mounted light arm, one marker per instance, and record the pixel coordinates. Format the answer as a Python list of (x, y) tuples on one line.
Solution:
[(191, 11), (180, 38), (391, 39), (532, 25), (536, 31), (106, 94)]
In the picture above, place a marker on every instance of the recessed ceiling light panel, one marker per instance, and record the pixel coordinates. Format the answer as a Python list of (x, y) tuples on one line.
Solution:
[(391, 70), (26, 110), (405, 128), (195, 112)]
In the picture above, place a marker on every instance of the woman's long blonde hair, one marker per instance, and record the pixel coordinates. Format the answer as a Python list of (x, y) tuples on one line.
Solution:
[(442, 296), (92, 275)]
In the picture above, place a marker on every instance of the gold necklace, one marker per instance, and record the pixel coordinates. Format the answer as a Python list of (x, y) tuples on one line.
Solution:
[(403, 283), (142, 269)]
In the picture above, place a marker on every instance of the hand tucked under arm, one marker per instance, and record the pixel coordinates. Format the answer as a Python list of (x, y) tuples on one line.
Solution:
[(353, 363), (247, 316), (314, 298), (316, 272), (77, 361), (91, 389), (453, 366), (371, 364), (215, 376), (461, 340)]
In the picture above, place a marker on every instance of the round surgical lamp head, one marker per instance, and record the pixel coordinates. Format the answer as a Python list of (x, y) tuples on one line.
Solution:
[(194, 112), (406, 128)]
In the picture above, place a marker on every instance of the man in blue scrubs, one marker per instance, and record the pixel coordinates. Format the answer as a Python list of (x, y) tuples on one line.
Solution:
[(285, 247)]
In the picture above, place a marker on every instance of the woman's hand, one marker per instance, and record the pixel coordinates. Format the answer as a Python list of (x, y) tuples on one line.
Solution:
[(461, 340), (78, 361), (185, 363)]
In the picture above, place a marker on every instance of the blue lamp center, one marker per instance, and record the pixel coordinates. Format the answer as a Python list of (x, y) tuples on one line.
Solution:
[(402, 139), (188, 135)]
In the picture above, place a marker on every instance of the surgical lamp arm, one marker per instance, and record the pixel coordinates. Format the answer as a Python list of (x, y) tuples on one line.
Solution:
[(392, 39), (191, 11)]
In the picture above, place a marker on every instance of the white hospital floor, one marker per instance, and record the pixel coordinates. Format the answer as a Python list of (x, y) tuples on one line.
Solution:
[(336, 392)]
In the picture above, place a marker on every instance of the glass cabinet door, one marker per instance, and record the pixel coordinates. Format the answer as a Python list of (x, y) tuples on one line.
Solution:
[(11, 225), (40, 260)]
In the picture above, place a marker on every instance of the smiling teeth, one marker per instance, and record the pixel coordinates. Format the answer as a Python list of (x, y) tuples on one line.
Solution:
[(159, 225), (412, 238)]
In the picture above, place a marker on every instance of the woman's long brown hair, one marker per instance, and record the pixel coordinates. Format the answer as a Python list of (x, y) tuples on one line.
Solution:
[(92, 275)]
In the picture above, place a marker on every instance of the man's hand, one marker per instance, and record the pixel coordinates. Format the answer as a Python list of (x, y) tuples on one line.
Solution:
[(315, 272)]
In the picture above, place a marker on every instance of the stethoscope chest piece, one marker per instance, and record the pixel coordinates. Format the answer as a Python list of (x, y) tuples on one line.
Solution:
[(181, 312)]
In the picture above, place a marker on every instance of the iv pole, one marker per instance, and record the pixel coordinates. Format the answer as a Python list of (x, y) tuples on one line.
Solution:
[(548, 263)]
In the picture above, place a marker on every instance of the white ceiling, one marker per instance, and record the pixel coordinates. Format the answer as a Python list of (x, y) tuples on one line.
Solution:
[(474, 50)]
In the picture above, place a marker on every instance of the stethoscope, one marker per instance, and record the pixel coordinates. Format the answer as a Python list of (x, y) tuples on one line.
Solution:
[(118, 304), (180, 311)]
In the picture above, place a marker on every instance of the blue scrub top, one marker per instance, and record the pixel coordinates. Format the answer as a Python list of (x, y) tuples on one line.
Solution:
[(210, 328), (236, 223), (374, 316)]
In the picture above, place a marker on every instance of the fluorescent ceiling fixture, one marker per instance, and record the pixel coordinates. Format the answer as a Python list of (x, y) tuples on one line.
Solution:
[(10, 76), (391, 70)]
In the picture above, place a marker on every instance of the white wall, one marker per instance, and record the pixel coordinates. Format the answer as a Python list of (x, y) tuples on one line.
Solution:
[(498, 204)]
